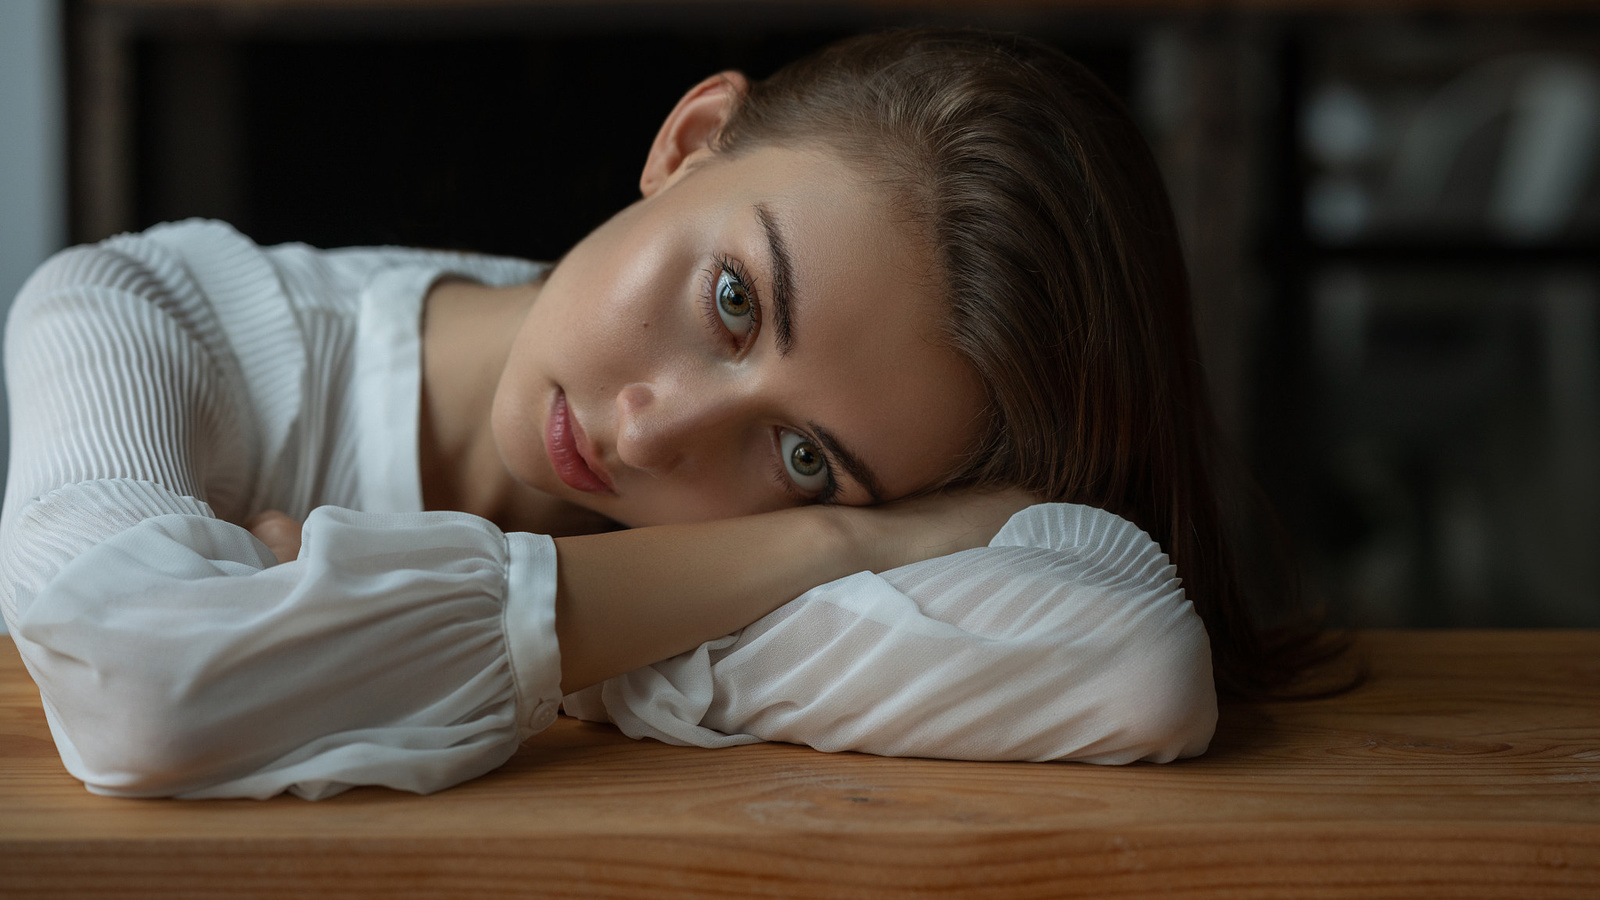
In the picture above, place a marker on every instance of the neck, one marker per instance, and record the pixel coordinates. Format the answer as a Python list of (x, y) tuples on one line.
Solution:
[(467, 332)]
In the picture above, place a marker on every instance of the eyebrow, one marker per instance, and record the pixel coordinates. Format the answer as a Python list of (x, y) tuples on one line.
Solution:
[(782, 281), (783, 336), (851, 462)]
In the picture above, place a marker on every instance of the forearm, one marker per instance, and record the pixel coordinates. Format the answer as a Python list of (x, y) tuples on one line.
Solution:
[(1073, 640), (625, 599)]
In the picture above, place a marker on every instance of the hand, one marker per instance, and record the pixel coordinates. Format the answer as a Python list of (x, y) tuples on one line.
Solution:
[(908, 531), (280, 533)]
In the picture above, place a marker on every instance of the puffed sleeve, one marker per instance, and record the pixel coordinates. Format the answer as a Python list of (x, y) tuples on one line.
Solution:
[(1068, 638), (174, 657)]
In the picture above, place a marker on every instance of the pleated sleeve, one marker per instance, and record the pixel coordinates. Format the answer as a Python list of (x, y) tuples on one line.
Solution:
[(1068, 638), (174, 656)]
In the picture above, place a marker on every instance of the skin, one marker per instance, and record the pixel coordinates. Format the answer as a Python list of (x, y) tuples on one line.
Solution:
[(683, 407)]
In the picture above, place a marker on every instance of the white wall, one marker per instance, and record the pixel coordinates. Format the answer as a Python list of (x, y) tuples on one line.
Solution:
[(33, 192)]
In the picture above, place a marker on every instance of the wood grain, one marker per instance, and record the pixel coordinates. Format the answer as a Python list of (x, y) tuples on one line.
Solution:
[(1469, 766)]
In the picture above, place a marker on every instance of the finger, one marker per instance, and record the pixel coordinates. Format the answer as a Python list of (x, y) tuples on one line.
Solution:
[(279, 532)]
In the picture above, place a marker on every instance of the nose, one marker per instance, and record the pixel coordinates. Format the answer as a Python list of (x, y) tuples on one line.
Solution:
[(669, 427)]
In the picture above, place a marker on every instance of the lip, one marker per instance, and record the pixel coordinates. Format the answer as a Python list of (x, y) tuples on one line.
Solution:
[(570, 453)]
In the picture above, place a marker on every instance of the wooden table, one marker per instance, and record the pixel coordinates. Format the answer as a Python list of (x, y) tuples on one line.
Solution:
[(1469, 766)]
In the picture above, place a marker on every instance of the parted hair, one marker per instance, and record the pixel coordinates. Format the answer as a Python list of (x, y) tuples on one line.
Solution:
[(1063, 278)]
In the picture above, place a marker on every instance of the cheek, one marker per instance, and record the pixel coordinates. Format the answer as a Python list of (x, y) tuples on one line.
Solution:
[(730, 482), (623, 315)]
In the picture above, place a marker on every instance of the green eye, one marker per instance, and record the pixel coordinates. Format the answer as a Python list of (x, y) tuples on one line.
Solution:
[(735, 306), (804, 463), (805, 459)]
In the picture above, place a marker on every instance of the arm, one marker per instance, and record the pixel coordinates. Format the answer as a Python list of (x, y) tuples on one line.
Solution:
[(629, 598), (625, 599), (409, 650), (1068, 638)]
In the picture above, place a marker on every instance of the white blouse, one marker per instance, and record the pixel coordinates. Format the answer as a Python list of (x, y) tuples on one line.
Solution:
[(166, 386)]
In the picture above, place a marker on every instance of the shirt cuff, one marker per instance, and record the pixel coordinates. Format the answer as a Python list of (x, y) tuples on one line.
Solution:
[(530, 629)]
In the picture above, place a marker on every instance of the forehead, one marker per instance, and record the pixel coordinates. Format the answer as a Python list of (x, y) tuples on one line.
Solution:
[(868, 363)]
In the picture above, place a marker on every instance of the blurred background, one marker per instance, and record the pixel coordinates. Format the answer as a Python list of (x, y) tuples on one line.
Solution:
[(1391, 211)]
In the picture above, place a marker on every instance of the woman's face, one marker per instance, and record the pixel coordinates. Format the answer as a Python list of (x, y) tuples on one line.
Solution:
[(757, 332)]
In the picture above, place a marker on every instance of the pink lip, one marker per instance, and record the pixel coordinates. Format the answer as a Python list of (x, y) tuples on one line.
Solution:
[(565, 441)]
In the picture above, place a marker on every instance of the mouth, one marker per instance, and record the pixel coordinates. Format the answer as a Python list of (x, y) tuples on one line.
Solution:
[(566, 443)]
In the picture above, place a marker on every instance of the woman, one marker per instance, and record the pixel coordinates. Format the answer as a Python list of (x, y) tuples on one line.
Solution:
[(862, 314)]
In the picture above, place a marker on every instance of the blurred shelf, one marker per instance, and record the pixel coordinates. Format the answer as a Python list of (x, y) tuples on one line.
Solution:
[(1467, 252), (1267, 6)]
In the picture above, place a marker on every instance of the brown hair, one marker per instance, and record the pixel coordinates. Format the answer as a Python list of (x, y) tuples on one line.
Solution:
[(1065, 283)]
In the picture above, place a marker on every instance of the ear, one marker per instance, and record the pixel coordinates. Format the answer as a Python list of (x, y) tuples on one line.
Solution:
[(690, 127)]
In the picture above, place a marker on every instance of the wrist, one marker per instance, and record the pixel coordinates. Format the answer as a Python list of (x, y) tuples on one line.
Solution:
[(841, 534), (863, 538)]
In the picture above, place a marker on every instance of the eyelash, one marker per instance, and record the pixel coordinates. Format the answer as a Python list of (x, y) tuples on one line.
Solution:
[(720, 264)]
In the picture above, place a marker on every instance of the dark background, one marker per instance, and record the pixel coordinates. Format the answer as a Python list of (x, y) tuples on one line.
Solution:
[(1414, 380), (504, 145)]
